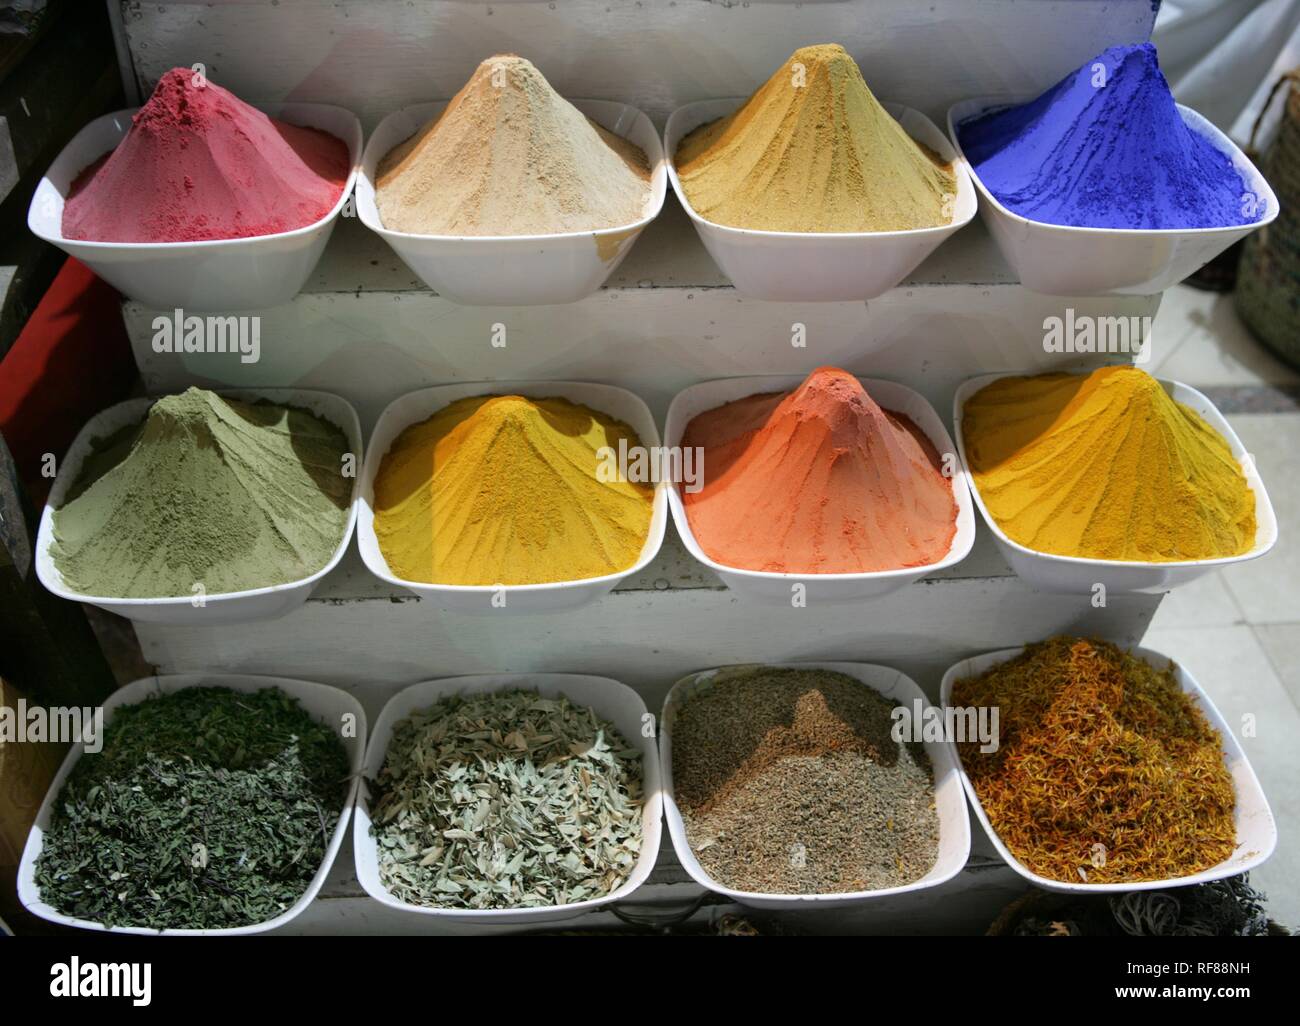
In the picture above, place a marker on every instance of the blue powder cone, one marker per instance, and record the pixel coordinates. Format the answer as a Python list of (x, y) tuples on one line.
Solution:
[(1107, 148)]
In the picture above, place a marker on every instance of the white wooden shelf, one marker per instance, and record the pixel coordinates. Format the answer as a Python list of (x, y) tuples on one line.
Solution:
[(968, 903), (368, 330), (672, 619), (365, 328), (668, 255)]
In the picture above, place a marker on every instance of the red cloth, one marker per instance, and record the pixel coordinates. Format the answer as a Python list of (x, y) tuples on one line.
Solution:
[(71, 360)]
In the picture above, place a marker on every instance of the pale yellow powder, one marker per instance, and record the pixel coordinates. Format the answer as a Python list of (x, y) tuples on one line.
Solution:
[(813, 151)]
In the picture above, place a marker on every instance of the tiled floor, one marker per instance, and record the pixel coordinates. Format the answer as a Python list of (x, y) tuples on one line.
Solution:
[(1238, 630), (1198, 339)]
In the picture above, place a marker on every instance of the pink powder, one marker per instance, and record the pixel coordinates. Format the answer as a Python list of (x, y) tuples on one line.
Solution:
[(198, 163)]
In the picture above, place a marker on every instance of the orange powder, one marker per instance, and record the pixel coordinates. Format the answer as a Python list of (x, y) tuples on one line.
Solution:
[(818, 480)]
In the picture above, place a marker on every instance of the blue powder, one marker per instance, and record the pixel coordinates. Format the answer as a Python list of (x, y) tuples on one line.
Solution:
[(1114, 156)]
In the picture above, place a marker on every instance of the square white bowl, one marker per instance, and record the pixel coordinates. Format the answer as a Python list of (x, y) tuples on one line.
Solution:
[(514, 270), (325, 704), (215, 275), (1256, 830), (1062, 260), (222, 608), (818, 266), (1079, 575), (954, 822), (418, 406), (767, 586), (613, 702)]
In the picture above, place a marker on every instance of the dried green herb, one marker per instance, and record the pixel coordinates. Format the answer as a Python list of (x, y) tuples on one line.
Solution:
[(507, 800), (206, 809)]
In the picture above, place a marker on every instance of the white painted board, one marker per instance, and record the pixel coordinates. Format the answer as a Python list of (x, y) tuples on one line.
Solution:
[(368, 331), (371, 642), (374, 56), (966, 904)]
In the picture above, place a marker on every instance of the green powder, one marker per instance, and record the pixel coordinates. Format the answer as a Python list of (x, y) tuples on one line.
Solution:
[(205, 491)]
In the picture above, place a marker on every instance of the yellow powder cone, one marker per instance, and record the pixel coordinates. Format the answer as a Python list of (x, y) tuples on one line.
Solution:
[(504, 490), (813, 151), (1106, 466)]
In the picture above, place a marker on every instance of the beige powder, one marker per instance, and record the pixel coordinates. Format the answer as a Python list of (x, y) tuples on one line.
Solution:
[(510, 156)]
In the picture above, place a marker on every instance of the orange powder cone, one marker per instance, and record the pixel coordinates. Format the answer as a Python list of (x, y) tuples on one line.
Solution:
[(818, 480)]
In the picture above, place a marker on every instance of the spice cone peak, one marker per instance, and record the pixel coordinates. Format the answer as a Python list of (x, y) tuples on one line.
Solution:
[(1106, 466), (818, 480), (209, 492), (198, 164), (1107, 147), (506, 490), (510, 156), (814, 151)]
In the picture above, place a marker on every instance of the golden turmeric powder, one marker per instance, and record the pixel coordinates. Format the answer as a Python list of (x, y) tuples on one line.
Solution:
[(505, 490), (1106, 466)]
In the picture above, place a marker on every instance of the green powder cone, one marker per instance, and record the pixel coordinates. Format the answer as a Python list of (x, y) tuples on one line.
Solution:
[(205, 491)]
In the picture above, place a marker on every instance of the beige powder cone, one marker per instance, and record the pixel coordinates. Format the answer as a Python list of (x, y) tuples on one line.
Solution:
[(510, 156)]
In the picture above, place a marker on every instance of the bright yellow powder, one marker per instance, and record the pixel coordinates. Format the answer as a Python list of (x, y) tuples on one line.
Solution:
[(1106, 466), (813, 151), (504, 490)]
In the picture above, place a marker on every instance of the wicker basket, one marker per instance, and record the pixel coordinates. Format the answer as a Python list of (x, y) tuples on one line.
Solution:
[(1268, 282)]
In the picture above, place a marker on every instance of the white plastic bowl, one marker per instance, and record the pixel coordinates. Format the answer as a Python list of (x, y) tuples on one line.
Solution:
[(1078, 575), (519, 598), (767, 586), (818, 266), (1256, 831), (218, 275), (180, 610), (611, 701), (1062, 260), (325, 704), (514, 270), (954, 823)]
